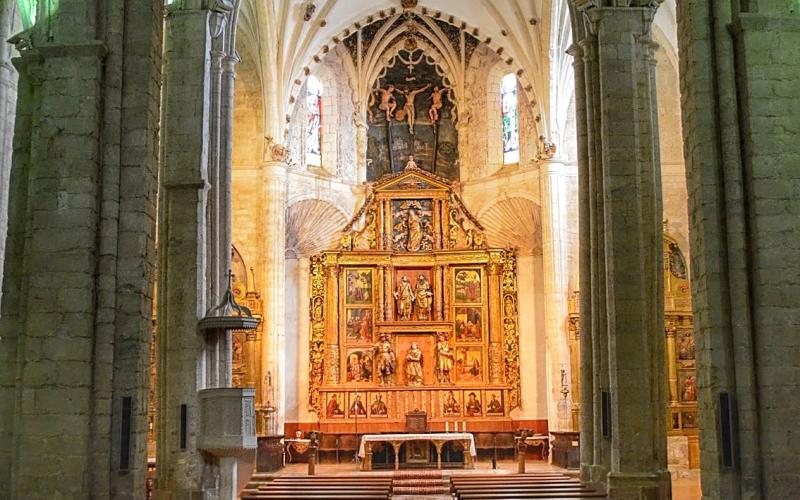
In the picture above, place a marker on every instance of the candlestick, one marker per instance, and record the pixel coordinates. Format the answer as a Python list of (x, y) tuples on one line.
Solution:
[(447, 426)]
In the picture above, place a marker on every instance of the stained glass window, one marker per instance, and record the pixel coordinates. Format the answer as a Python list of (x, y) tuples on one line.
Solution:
[(27, 12), (508, 97), (314, 129)]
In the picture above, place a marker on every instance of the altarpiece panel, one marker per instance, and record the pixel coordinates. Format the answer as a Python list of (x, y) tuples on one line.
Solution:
[(413, 312)]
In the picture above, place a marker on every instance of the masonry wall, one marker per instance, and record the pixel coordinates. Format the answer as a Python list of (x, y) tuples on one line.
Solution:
[(76, 311), (740, 101)]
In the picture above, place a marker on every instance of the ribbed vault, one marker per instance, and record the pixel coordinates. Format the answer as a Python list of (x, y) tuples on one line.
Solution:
[(514, 222), (312, 226)]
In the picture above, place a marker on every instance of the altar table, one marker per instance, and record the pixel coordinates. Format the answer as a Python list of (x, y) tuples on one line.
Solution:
[(397, 440)]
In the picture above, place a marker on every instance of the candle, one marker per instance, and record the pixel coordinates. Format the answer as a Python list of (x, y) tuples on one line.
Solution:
[(447, 426), (464, 426)]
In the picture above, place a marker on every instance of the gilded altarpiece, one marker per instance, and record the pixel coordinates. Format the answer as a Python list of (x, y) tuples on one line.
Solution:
[(680, 343), (413, 312)]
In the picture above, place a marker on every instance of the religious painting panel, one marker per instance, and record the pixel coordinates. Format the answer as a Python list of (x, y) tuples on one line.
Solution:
[(357, 407), (358, 325), (687, 386), (473, 406), (451, 403), (412, 225), (467, 285), (686, 345), (334, 404), (494, 404), (415, 359), (413, 294), (359, 286), (378, 405), (689, 419), (469, 364), (358, 365), (469, 324)]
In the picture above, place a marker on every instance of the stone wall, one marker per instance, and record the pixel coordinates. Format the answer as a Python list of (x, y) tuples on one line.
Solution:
[(740, 101), (80, 254)]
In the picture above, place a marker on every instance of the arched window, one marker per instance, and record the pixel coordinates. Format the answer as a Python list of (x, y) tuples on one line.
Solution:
[(27, 11), (508, 98), (314, 131)]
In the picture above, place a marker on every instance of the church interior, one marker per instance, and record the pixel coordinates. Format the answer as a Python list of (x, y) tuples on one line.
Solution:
[(484, 249)]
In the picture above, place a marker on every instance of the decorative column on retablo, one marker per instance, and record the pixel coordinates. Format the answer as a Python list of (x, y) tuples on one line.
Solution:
[(496, 327), (555, 183), (331, 327), (273, 363), (621, 159)]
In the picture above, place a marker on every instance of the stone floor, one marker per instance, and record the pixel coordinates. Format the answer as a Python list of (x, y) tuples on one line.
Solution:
[(685, 484)]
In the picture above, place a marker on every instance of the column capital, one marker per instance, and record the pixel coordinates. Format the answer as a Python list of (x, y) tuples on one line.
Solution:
[(274, 169)]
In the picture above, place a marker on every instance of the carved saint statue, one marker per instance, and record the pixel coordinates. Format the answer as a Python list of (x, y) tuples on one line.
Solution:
[(404, 295), (408, 106), (424, 298), (415, 233), (690, 389), (436, 104), (444, 360), (384, 359), (414, 365)]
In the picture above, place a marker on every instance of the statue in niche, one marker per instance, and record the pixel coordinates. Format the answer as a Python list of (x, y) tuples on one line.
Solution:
[(677, 264), (405, 296), (455, 228), (424, 298), (238, 353), (408, 106), (444, 360), (436, 104), (414, 365), (384, 359), (388, 102)]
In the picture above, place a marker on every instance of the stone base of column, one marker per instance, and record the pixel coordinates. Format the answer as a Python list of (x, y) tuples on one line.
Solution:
[(596, 476), (643, 486)]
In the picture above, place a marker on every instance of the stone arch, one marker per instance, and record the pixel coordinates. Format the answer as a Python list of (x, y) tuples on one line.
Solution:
[(312, 225), (514, 222)]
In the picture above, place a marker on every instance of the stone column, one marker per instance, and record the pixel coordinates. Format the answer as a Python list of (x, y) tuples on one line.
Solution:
[(274, 293), (554, 184), (623, 199), (8, 101)]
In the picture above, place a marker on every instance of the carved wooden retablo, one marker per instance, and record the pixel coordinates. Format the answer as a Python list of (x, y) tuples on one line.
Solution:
[(413, 311)]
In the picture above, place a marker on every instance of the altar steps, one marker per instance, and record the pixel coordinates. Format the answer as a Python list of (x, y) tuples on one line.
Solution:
[(320, 487), (551, 485), (419, 483)]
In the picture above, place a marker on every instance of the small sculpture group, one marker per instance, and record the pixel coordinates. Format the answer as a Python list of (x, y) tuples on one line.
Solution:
[(385, 361), (419, 298), (388, 103)]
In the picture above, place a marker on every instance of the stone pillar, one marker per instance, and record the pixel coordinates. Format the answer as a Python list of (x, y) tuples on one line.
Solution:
[(303, 338), (194, 238), (554, 184), (274, 293), (623, 203), (8, 101)]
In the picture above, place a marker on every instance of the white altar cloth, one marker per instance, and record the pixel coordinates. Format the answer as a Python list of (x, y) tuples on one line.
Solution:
[(438, 436)]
